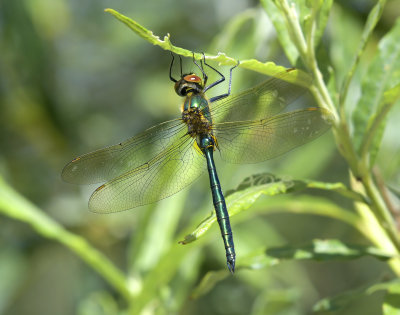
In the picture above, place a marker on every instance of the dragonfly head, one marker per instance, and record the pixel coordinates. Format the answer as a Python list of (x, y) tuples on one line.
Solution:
[(189, 83)]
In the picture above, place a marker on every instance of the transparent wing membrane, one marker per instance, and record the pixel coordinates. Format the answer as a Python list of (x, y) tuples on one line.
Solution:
[(164, 175), (256, 141), (108, 163), (264, 100)]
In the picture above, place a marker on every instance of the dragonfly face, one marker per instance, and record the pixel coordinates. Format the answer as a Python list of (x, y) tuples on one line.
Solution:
[(249, 127), (189, 83)]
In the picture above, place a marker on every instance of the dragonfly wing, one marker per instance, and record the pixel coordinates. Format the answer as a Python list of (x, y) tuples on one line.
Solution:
[(264, 100), (108, 163), (256, 141), (164, 175)]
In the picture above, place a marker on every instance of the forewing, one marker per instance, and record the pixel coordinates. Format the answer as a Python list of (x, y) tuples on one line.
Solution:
[(256, 141), (260, 102), (164, 175), (108, 163)]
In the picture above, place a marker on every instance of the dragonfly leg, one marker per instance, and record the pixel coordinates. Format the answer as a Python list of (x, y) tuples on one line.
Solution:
[(170, 67), (216, 98), (205, 76)]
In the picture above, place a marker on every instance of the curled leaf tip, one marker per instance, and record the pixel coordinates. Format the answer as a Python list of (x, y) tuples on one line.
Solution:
[(187, 239)]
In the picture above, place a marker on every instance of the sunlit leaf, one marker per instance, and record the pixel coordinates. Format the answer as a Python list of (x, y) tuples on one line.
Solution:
[(391, 304), (392, 95), (242, 198), (323, 250), (322, 19), (254, 186), (279, 22), (267, 68), (336, 187)]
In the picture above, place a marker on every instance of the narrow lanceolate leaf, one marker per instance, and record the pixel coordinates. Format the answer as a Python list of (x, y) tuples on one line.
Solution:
[(315, 21), (323, 250), (242, 198), (322, 19), (17, 207), (372, 20), (340, 188), (377, 122), (382, 74), (268, 68), (279, 21), (318, 250), (254, 186), (340, 301), (208, 282)]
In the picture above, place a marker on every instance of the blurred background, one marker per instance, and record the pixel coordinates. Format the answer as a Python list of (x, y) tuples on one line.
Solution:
[(74, 79)]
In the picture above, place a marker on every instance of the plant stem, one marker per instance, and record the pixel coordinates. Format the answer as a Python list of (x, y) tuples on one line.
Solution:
[(359, 168), (381, 209), (16, 206)]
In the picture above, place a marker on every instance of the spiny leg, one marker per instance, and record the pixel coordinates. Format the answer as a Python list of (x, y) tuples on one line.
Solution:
[(205, 76), (216, 98), (170, 67)]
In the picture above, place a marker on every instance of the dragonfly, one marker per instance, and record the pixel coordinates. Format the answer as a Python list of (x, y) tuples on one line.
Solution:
[(249, 127)]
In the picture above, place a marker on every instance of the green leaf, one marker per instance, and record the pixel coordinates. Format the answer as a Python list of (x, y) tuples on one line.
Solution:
[(391, 304), (99, 303), (208, 282), (269, 68), (230, 38), (277, 302), (342, 48), (340, 301), (315, 21), (242, 198), (279, 21), (336, 187), (372, 20), (14, 270), (246, 194), (325, 250), (318, 250), (332, 304), (257, 260), (382, 74), (393, 95), (161, 275), (16, 206), (377, 122), (322, 19), (308, 16)]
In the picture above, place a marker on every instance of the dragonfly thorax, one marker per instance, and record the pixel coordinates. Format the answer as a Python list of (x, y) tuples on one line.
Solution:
[(197, 122), (189, 83)]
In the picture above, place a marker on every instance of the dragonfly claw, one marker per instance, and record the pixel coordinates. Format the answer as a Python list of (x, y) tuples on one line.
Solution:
[(231, 264)]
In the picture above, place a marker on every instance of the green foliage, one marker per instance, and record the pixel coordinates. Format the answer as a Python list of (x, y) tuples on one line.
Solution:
[(160, 275), (390, 305), (372, 108)]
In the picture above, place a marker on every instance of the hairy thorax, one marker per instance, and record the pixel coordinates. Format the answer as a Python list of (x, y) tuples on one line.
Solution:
[(196, 115)]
